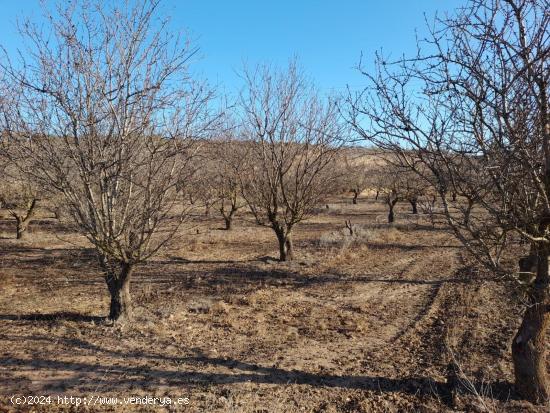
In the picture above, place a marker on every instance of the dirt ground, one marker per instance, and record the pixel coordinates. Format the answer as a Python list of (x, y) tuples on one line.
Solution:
[(367, 323)]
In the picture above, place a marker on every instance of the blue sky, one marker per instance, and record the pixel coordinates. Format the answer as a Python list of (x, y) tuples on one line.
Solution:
[(326, 36)]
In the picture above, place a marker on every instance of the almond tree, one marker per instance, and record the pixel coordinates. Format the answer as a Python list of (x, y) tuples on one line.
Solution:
[(472, 109), (228, 155), (19, 197), (390, 186), (106, 114), (292, 141), (413, 189), (356, 172)]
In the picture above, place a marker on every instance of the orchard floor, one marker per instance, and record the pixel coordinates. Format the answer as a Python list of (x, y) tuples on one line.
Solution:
[(362, 324)]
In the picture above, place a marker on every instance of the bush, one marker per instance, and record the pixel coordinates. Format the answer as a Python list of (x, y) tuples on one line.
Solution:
[(343, 239)]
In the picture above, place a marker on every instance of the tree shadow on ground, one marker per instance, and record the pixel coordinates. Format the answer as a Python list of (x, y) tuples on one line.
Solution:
[(19, 256), (406, 247), (193, 371), (44, 224), (239, 372), (57, 316)]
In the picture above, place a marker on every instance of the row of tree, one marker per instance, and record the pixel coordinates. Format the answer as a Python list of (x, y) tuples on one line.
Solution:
[(223, 177)]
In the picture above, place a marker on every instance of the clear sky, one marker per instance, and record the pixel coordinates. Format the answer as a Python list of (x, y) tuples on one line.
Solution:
[(327, 36)]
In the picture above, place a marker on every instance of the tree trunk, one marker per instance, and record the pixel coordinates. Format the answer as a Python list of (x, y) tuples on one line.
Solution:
[(228, 218), (23, 221), (289, 248), (414, 205), (355, 196), (227, 223), (468, 211), (119, 289), (391, 205), (528, 347), (20, 228), (286, 250)]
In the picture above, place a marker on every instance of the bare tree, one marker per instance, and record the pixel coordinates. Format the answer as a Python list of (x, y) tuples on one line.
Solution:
[(414, 189), (216, 185), (200, 191), (293, 138), (356, 172), (472, 109), (390, 186), (19, 196), (228, 155), (107, 115), (376, 182)]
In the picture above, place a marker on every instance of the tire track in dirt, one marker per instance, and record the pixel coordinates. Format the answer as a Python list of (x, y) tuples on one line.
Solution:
[(345, 313), (400, 307), (431, 306), (398, 298), (426, 342), (386, 308)]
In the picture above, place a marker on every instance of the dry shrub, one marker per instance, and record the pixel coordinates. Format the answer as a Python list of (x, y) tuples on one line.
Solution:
[(387, 234), (342, 239), (335, 209), (240, 299), (147, 294), (219, 308), (201, 306)]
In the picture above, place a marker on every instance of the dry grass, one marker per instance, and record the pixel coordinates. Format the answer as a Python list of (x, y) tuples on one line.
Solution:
[(355, 324)]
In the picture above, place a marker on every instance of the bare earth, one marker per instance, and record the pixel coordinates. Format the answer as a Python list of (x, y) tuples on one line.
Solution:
[(351, 326)]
